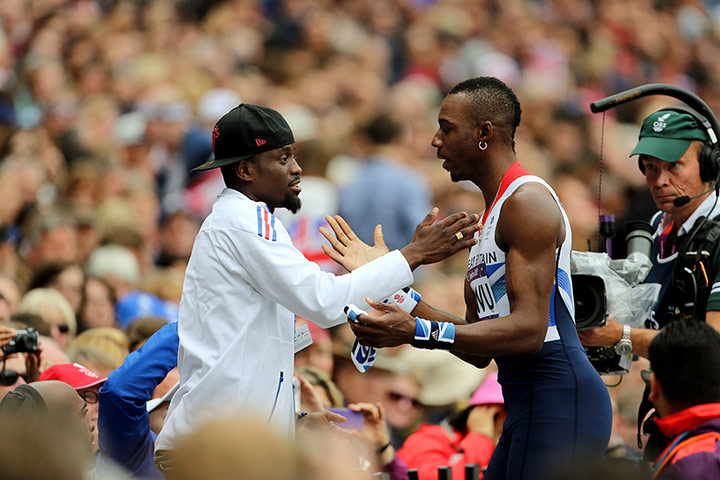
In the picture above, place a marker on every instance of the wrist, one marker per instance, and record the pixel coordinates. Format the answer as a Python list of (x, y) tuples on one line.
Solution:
[(432, 335), (412, 257), (407, 299), (624, 345)]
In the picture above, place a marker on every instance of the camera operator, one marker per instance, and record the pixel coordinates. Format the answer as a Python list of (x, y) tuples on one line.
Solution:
[(681, 170)]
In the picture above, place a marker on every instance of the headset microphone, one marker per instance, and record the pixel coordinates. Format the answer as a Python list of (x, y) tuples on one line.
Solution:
[(683, 200)]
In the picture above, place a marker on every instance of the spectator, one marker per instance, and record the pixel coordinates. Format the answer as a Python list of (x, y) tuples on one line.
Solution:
[(469, 436), (66, 277), (98, 304), (50, 437), (140, 329), (55, 310), (383, 191), (130, 421), (684, 388), (112, 342), (87, 384)]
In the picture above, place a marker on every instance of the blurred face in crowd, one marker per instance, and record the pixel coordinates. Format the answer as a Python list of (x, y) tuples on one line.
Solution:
[(56, 244), (669, 180), (97, 309), (401, 403), (70, 284), (178, 235), (59, 329), (90, 397), (319, 354), (13, 375)]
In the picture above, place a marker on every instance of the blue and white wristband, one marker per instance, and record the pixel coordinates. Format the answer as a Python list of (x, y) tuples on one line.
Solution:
[(407, 299), (433, 335)]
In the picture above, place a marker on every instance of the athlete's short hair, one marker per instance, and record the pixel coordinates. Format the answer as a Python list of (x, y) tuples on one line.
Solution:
[(493, 100), (685, 358)]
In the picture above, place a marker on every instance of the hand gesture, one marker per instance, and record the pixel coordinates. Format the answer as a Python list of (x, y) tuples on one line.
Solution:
[(347, 249), (386, 325), (433, 242)]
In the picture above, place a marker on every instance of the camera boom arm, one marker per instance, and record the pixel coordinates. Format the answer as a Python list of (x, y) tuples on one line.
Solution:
[(680, 93)]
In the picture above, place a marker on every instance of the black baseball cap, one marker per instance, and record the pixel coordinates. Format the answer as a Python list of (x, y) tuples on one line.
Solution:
[(245, 131)]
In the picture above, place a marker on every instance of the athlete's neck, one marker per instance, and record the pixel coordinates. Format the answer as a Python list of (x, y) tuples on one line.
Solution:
[(490, 182)]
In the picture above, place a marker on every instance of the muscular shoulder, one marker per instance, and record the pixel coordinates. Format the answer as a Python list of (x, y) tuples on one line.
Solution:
[(531, 214)]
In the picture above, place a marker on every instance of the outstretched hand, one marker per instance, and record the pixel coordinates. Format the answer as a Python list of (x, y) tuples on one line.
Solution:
[(347, 249), (386, 325), (433, 242)]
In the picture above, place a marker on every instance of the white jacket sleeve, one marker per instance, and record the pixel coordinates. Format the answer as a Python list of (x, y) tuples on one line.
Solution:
[(281, 273)]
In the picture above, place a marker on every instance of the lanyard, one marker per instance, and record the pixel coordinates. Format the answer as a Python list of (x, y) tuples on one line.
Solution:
[(663, 240)]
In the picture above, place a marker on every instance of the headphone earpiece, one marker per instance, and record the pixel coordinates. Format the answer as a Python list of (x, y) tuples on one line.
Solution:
[(709, 162)]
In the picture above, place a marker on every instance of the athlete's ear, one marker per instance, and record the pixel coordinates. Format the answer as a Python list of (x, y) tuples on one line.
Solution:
[(484, 131)]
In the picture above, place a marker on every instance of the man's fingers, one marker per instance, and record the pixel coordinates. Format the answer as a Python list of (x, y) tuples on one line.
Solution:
[(378, 305), (430, 217), (331, 238), (345, 227), (378, 237), (338, 258), (335, 417), (339, 233)]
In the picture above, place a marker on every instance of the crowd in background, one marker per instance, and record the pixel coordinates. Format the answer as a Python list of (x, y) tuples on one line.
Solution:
[(106, 105)]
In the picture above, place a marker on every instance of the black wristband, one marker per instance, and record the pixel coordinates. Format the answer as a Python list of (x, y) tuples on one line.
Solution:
[(382, 449)]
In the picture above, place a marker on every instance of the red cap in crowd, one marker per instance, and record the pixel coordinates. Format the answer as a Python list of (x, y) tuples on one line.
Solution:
[(73, 374)]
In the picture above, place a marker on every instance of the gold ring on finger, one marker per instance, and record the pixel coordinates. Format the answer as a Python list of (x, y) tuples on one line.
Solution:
[(459, 235)]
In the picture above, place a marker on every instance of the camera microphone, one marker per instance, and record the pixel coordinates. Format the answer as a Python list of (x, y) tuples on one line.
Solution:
[(683, 200)]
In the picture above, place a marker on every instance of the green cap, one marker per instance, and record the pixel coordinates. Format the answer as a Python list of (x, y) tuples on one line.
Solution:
[(667, 134)]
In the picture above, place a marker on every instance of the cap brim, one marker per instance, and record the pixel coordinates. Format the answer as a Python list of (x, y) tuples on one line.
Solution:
[(215, 163), (91, 384), (666, 149)]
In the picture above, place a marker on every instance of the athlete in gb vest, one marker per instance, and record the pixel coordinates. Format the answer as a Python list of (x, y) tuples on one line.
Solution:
[(681, 168), (519, 304)]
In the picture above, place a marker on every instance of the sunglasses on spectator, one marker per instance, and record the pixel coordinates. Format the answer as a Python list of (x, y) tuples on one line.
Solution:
[(90, 396), (396, 397), (9, 377)]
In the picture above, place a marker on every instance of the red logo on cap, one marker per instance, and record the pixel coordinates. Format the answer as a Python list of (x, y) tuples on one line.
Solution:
[(215, 134), (260, 141)]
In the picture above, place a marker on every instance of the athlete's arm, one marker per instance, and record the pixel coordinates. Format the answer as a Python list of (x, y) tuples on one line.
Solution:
[(530, 228)]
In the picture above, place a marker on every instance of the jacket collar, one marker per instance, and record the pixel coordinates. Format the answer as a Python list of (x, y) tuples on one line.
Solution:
[(688, 419)]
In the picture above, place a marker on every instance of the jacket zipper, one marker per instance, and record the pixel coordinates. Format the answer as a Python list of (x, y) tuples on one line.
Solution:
[(277, 394)]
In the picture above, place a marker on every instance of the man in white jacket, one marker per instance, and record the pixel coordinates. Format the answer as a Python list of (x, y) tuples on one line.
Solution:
[(245, 281)]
